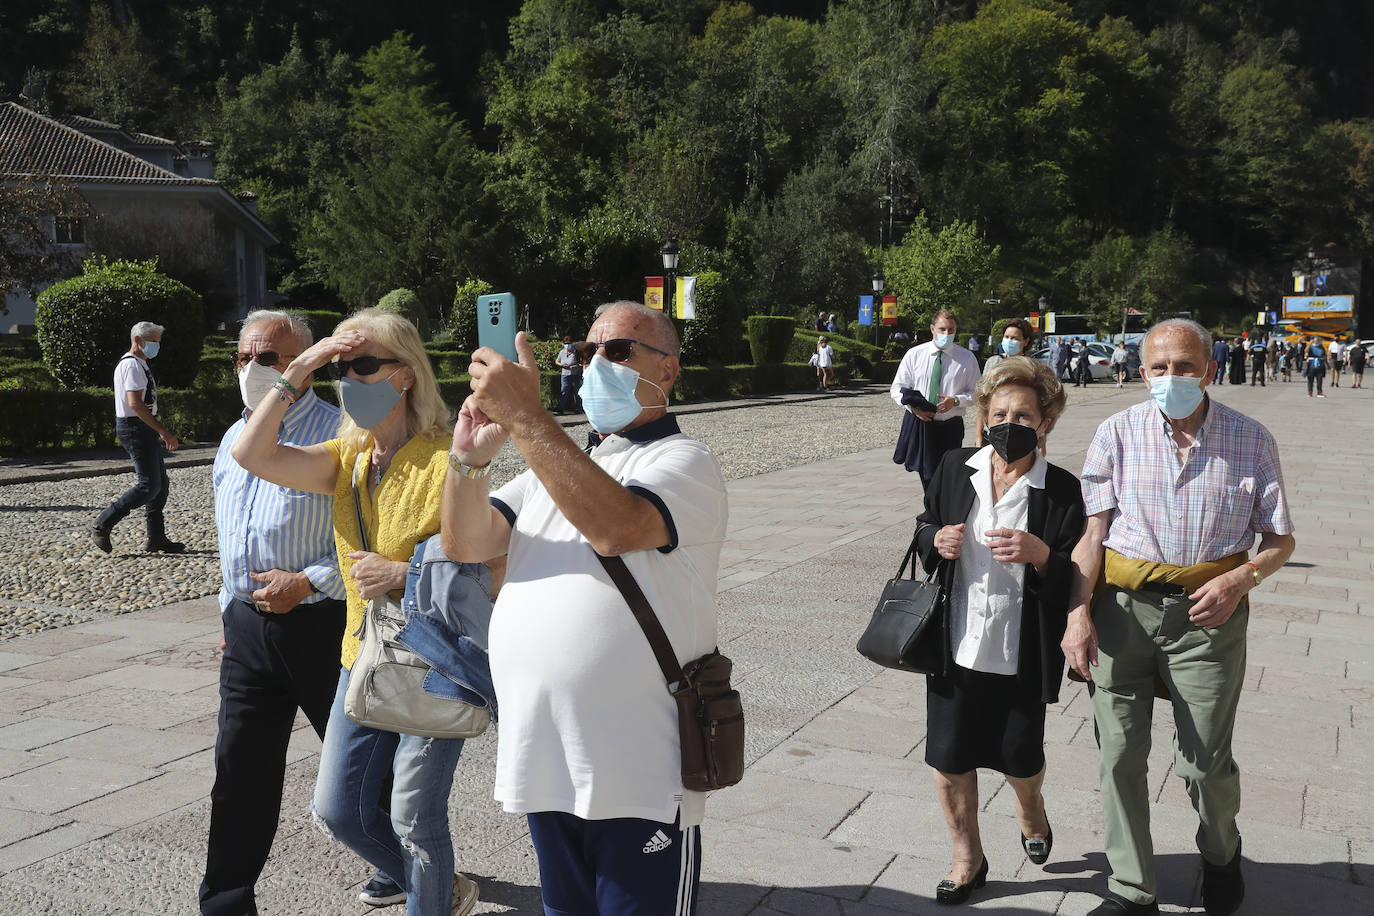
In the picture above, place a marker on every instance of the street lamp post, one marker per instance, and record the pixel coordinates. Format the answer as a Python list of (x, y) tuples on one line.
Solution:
[(878, 282), (670, 254)]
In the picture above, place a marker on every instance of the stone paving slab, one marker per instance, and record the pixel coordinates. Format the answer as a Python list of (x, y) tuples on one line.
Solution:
[(106, 729)]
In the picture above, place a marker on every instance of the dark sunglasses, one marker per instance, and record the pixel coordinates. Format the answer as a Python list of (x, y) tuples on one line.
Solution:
[(268, 358), (617, 349), (363, 365)]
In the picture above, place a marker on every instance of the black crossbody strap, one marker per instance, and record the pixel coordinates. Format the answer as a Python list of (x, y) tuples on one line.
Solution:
[(648, 621)]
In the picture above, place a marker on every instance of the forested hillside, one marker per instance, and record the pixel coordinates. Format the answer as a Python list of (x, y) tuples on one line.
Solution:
[(1155, 149)]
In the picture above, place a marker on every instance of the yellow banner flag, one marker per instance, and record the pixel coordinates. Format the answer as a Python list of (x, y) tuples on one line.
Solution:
[(653, 293), (685, 300)]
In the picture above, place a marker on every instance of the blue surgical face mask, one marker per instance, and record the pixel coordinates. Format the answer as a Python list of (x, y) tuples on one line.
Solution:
[(1011, 346), (1176, 395), (608, 394), (942, 340), (150, 348), (368, 405)]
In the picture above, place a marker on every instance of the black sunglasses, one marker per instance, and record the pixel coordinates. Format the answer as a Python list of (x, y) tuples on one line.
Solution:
[(617, 349), (363, 365), (268, 358)]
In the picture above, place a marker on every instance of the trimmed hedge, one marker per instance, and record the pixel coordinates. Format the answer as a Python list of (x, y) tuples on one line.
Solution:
[(83, 322), (322, 321), (769, 337)]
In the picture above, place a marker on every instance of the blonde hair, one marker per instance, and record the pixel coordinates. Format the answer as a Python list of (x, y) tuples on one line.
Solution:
[(426, 413), (1022, 370)]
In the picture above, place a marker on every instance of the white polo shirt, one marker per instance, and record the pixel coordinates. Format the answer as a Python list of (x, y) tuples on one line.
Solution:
[(587, 726)]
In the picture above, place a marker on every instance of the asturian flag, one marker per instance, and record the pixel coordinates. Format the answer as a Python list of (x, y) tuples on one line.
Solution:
[(685, 303), (653, 292)]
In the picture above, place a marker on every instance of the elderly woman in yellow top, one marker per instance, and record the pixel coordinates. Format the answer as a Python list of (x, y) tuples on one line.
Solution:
[(393, 447)]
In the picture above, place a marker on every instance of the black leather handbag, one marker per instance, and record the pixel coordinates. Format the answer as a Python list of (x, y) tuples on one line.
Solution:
[(907, 630)]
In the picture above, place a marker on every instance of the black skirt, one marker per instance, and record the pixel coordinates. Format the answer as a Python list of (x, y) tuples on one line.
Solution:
[(974, 720)]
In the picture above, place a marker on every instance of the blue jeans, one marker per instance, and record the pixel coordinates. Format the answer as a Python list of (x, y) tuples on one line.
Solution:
[(411, 845), (150, 485)]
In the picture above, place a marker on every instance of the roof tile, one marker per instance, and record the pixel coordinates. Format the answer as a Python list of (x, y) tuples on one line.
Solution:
[(33, 144)]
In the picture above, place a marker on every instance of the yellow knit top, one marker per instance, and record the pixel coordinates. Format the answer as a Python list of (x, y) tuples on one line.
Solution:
[(399, 513)]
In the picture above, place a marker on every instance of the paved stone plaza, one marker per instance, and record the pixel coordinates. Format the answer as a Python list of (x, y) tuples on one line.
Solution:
[(107, 727)]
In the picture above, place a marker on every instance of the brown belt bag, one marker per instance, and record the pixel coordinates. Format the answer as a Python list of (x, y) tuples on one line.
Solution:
[(710, 717)]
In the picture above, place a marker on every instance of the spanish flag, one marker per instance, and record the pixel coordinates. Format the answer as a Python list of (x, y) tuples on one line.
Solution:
[(685, 300), (889, 310), (653, 292)]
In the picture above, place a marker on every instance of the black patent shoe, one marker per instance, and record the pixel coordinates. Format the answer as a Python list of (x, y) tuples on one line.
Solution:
[(949, 892), (1223, 886), (1112, 905), (1038, 851)]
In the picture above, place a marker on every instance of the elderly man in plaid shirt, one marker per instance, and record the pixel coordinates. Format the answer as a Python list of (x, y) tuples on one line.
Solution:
[(1176, 490)]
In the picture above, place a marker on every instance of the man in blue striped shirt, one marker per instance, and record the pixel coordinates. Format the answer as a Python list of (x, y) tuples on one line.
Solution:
[(282, 603)]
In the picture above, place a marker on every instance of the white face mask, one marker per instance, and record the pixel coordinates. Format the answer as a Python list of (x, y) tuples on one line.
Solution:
[(255, 381)]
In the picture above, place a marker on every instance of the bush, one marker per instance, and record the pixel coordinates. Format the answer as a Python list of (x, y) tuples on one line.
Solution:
[(405, 303), (28, 374), (863, 333), (447, 359), (713, 337), (83, 323), (702, 383), (769, 337), (322, 322), (462, 321)]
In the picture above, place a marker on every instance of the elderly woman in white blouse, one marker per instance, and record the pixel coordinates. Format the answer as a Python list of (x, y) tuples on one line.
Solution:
[(1003, 521)]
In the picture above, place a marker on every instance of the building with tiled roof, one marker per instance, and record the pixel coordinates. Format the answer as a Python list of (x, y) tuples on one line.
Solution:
[(146, 195)]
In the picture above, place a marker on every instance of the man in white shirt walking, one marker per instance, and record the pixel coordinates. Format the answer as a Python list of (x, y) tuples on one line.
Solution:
[(934, 385), (142, 435)]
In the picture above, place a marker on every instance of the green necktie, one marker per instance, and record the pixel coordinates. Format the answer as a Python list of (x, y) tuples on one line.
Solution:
[(934, 395)]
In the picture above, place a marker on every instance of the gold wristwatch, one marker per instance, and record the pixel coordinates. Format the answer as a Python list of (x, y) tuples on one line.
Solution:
[(1255, 572), (468, 470)]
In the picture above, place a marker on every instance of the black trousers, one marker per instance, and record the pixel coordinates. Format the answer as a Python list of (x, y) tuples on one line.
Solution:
[(150, 485), (273, 663)]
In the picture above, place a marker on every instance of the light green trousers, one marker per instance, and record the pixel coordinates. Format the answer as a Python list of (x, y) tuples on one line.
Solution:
[(1141, 634)]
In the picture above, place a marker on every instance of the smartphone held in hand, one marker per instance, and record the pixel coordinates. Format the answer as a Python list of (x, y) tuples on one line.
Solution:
[(496, 324)]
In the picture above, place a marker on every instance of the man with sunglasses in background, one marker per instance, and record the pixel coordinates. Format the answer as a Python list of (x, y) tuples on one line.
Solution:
[(282, 608), (589, 747)]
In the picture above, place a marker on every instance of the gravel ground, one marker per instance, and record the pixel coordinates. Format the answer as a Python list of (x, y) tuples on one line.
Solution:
[(54, 576)]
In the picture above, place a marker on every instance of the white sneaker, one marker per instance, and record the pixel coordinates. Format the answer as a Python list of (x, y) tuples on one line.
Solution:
[(464, 895)]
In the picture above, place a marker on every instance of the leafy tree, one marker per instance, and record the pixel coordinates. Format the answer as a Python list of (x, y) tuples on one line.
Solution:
[(282, 135), (1259, 154), (412, 210), (1147, 274), (932, 270), (755, 102), (29, 259), (806, 246), (867, 48), (1036, 116), (113, 77)]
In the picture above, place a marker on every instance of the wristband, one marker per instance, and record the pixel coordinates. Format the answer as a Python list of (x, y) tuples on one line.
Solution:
[(286, 386), (287, 393), (468, 470)]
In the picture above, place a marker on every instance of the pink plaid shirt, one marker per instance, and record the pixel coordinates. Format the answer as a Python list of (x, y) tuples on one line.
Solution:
[(1183, 513)]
